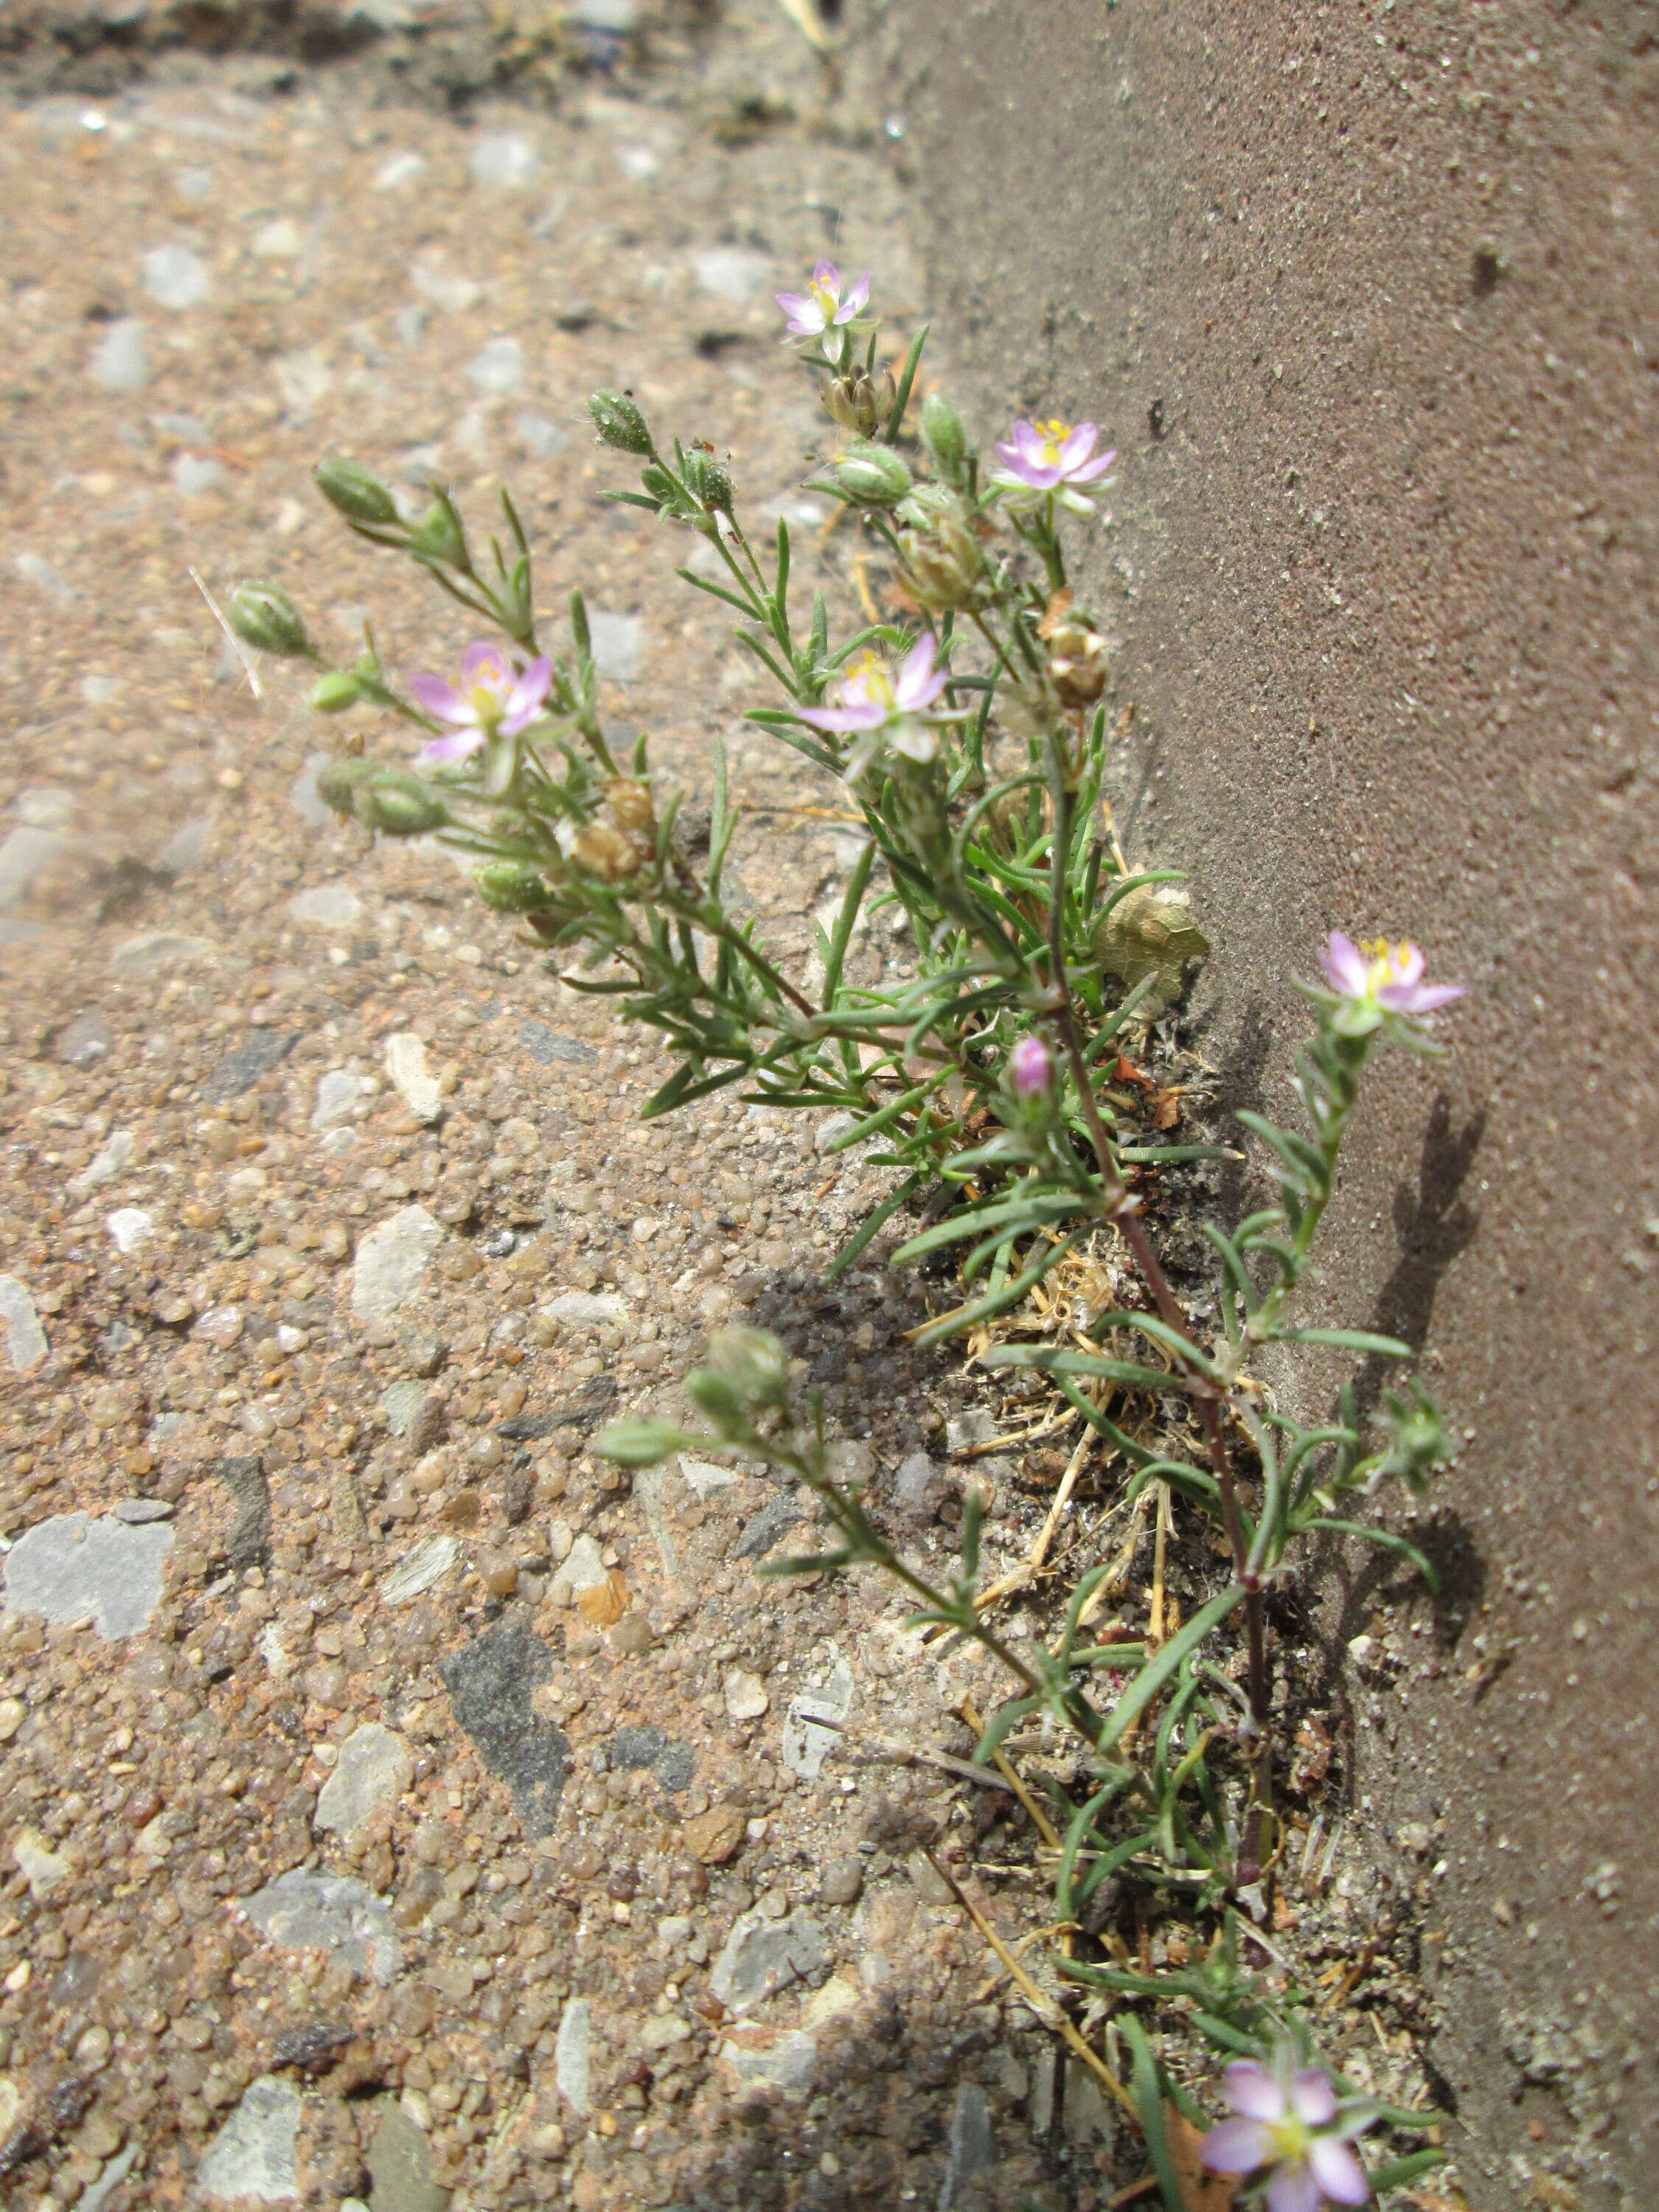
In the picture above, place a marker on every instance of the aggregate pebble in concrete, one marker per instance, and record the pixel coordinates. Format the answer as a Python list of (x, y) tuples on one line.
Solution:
[(70, 1565)]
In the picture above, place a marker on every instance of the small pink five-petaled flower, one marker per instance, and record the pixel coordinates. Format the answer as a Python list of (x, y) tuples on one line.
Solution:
[(1293, 2124), (1375, 975), (495, 698), (822, 307), (880, 707), (1051, 458)]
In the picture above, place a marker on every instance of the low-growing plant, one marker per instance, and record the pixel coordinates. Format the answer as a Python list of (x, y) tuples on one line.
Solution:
[(973, 742)]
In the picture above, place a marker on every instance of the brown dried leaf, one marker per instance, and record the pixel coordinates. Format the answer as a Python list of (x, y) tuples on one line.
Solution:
[(1204, 2191)]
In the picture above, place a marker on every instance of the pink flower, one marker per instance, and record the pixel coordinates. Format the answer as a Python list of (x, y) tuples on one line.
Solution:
[(1031, 1066), (1378, 978), (1291, 2123), (822, 307), (495, 698), (1051, 458), (887, 707)]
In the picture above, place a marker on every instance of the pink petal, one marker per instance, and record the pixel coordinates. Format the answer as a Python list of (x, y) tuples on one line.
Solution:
[(434, 696), (1030, 441), (1312, 2098), (1252, 2089), (916, 685), (1411, 967), (1338, 2172), (1078, 447), (1092, 469), (1293, 2189), (1418, 998), (482, 662), (1009, 454), (796, 304), (827, 274), (855, 300), (843, 719), (1346, 969), (532, 687), (1037, 474), (1236, 2147), (444, 751)]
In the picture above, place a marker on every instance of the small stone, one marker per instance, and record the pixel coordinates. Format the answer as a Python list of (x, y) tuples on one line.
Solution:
[(136, 1512), (704, 1476), (26, 1340), (115, 2171), (841, 1881), (746, 1698), (120, 360), (373, 1769), (713, 1837), (811, 1727), (788, 2063), (42, 1868), (762, 1956), (302, 792), (663, 2031), (194, 473), (970, 2151), (768, 1528), (109, 1160), (590, 1309), (490, 1682), (305, 1910), (83, 1041), (175, 277), (71, 1566), (154, 951), (930, 1884), (403, 1404), (673, 1762), (552, 1048), (398, 170), (391, 1263), (338, 1092), (326, 906), (240, 1068), (727, 272), (253, 2153), (505, 160), (220, 1326), (499, 369), (12, 1710), (571, 2055), (405, 1063), (422, 1569), (281, 241), (919, 1485), (400, 2164), (183, 850), (35, 569), (618, 643), (542, 438), (129, 1227)]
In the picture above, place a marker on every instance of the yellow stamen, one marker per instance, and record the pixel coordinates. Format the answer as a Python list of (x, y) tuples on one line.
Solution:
[(1053, 434), (1387, 961)]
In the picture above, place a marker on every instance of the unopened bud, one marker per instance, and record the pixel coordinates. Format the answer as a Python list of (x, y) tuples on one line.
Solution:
[(946, 437), (354, 492), (1079, 663), (707, 480), (1030, 1067), (941, 548), (399, 805), (872, 476), (438, 532), (619, 422), (511, 888), (336, 783), (263, 616), (858, 403), (333, 693)]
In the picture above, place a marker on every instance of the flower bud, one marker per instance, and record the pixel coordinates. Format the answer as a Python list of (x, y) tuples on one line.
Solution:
[(941, 548), (946, 437), (619, 422), (858, 403), (336, 783), (511, 888), (438, 532), (399, 805), (708, 480), (872, 476), (1077, 661), (1030, 1067), (753, 1363), (354, 491), (333, 693), (263, 616)]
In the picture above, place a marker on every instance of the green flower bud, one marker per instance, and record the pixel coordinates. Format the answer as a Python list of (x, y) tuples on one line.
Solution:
[(438, 532), (399, 805), (946, 437), (709, 481), (1417, 1442), (333, 693), (942, 548), (511, 888), (337, 784), (619, 422), (354, 492), (263, 616), (753, 1363), (872, 476)]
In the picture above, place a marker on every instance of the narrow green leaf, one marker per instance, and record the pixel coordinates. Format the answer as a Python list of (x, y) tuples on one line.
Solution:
[(1053, 1361), (1399, 2171), (1144, 2087), (641, 1442), (871, 1226), (1157, 1671), (1347, 1339), (907, 377), (835, 959), (1386, 1538)]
